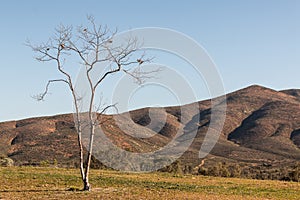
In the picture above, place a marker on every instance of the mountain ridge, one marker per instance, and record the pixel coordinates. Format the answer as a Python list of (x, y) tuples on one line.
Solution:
[(261, 129)]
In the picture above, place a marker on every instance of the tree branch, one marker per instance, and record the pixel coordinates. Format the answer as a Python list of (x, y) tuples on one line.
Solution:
[(40, 97)]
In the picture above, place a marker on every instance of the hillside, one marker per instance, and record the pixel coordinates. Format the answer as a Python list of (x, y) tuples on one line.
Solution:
[(292, 92), (261, 135)]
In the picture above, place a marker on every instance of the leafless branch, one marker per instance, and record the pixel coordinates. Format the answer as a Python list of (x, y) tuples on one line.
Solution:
[(103, 110), (108, 107), (141, 76), (40, 97)]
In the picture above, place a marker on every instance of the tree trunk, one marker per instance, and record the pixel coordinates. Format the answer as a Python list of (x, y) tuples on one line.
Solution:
[(83, 177), (86, 185)]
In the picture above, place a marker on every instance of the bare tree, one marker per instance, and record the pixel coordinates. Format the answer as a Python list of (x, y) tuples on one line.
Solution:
[(91, 45)]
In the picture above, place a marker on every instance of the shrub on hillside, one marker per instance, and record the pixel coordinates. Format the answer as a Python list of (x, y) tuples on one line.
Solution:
[(175, 168), (221, 169)]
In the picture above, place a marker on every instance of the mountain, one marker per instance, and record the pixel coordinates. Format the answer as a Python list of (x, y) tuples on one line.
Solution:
[(293, 92), (260, 137)]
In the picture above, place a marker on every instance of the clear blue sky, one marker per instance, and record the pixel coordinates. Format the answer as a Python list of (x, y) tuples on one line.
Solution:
[(251, 42)]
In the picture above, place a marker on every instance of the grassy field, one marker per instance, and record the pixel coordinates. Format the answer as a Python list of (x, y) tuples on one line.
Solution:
[(56, 183)]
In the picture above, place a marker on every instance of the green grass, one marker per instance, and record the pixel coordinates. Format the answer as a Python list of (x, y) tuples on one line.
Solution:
[(57, 183)]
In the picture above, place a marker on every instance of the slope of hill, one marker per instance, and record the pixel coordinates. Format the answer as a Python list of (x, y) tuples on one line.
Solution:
[(292, 92), (261, 133)]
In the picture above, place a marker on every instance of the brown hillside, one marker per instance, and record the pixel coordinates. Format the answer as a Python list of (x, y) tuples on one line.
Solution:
[(292, 92), (262, 129)]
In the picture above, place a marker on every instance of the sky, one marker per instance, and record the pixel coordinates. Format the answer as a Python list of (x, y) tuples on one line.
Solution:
[(250, 42)]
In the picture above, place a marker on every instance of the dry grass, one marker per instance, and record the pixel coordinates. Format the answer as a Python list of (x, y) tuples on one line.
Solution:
[(57, 183)]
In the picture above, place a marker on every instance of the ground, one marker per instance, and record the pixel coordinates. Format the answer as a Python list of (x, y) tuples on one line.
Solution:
[(61, 183)]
